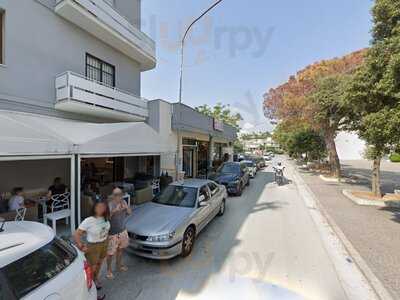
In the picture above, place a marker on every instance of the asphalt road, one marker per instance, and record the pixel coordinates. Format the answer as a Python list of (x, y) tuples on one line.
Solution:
[(266, 246)]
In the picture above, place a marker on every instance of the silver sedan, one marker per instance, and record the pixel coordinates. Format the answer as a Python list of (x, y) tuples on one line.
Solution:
[(168, 226)]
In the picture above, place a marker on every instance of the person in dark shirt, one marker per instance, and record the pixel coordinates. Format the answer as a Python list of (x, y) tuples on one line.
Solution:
[(57, 188)]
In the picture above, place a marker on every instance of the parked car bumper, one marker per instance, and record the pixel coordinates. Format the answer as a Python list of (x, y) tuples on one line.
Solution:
[(159, 251), (232, 189)]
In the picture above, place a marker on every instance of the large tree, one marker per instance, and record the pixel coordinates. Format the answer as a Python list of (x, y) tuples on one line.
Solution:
[(326, 110), (372, 97), (221, 112), (313, 96), (300, 139)]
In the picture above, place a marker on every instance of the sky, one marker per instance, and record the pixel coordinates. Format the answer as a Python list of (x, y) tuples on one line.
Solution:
[(244, 48)]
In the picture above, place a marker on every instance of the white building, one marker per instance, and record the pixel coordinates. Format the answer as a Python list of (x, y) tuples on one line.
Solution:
[(70, 103)]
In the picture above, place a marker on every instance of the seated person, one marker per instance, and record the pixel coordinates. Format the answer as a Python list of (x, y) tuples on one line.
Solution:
[(57, 188), (17, 200)]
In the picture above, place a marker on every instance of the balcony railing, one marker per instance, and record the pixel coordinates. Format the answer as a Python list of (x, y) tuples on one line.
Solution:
[(103, 21), (78, 94)]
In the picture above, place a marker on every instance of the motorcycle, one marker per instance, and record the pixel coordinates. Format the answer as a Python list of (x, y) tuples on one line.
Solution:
[(279, 175)]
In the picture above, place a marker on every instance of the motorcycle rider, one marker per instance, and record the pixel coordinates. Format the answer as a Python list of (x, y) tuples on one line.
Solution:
[(279, 168)]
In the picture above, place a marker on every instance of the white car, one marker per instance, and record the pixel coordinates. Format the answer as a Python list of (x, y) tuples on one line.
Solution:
[(36, 265), (251, 166), (267, 157)]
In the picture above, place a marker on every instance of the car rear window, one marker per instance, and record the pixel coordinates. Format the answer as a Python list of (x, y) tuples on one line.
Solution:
[(229, 169), (28, 273)]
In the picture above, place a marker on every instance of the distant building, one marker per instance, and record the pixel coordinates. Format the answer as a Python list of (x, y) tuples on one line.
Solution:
[(257, 145), (349, 146)]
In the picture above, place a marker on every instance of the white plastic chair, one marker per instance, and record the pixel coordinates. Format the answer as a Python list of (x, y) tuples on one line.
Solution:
[(59, 210), (155, 184), (20, 214)]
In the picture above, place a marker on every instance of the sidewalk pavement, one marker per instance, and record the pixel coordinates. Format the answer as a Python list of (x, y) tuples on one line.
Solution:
[(374, 232)]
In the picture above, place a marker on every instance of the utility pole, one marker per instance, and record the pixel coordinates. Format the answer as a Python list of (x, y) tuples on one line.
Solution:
[(179, 143)]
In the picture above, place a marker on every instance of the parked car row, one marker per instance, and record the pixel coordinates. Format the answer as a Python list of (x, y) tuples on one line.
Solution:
[(161, 229), (168, 226)]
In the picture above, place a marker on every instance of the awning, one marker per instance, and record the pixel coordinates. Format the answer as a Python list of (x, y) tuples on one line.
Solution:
[(29, 134), (22, 135)]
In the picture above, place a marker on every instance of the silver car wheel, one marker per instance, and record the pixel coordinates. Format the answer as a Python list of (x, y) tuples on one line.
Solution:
[(222, 208), (188, 242)]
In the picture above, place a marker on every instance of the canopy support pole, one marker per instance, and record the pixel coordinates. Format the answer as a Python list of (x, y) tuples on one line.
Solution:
[(73, 194)]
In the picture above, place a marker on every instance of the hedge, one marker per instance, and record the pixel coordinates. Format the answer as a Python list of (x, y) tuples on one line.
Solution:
[(395, 157)]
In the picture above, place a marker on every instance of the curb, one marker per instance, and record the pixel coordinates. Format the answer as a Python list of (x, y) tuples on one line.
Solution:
[(377, 286), (335, 180), (327, 179), (365, 202)]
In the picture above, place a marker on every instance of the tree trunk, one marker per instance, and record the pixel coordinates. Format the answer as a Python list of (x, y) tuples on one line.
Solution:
[(334, 161), (376, 177)]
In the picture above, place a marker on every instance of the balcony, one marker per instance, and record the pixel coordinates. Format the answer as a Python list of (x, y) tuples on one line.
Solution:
[(101, 20), (78, 94)]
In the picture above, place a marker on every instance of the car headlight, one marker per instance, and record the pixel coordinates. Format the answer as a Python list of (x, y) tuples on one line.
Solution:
[(161, 237)]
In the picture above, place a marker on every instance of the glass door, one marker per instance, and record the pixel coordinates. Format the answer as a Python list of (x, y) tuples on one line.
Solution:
[(188, 159)]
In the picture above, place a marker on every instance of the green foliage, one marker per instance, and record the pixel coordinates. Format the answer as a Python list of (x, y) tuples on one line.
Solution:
[(381, 130), (299, 140), (326, 101), (386, 17), (271, 149), (221, 112), (371, 153), (395, 157), (238, 147), (372, 97)]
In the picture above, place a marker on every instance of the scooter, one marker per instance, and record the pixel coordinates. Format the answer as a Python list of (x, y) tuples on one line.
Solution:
[(279, 176)]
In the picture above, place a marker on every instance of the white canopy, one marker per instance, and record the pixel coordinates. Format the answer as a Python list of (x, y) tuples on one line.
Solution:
[(28, 134)]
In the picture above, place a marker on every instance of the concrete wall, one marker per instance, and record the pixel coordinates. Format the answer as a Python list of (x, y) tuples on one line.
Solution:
[(39, 45), (349, 146), (160, 118), (188, 119), (130, 9), (32, 175)]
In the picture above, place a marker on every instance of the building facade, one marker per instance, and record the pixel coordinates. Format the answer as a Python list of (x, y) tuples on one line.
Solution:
[(74, 59), (70, 103), (202, 143), (70, 106)]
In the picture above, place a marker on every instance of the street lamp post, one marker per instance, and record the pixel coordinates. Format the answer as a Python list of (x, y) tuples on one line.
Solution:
[(178, 158)]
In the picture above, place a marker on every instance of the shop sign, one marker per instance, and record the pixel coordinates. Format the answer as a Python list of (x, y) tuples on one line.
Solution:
[(218, 125)]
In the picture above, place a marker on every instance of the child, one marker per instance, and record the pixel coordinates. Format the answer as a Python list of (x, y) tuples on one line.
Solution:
[(17, 200)]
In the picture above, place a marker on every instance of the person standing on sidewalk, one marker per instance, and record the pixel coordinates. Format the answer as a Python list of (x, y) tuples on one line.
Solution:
[(96, 227), (118, 240)]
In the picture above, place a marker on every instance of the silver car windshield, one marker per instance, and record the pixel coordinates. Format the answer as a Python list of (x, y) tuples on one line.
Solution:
[(180, 196)]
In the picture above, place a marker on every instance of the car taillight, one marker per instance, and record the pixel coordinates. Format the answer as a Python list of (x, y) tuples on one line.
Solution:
[(88, 274)]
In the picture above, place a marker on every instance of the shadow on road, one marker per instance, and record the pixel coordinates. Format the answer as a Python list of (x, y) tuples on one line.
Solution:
[(389, 180), (167, 279), (395, 213)]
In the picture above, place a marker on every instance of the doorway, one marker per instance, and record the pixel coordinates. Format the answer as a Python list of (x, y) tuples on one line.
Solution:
[(188, 161)]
